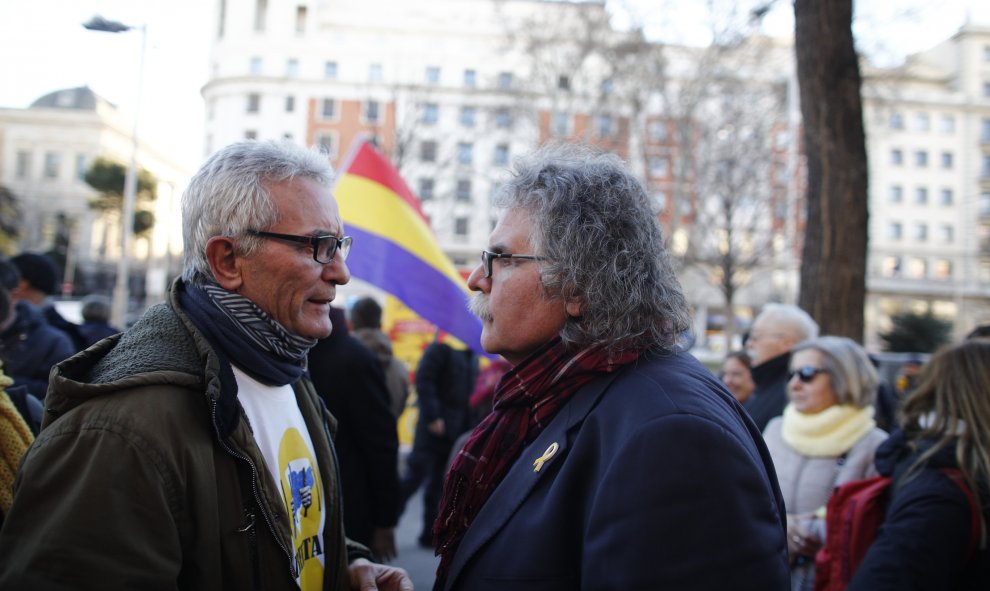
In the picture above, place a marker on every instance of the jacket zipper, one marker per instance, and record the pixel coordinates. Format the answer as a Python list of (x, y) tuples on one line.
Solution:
[(254, 491)]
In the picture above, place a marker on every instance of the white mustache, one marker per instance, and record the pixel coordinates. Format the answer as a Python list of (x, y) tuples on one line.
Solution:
[(479, 307)]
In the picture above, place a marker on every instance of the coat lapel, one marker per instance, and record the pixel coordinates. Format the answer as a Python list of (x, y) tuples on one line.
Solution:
[(551, 446)]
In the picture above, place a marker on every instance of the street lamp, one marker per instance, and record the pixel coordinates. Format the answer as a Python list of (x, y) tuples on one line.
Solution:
[(120, 290)]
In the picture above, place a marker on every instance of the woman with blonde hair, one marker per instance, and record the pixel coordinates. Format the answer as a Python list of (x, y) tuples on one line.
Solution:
[(927, 539), (826, 436)]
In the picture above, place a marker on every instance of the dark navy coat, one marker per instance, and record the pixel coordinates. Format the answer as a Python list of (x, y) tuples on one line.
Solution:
[(659, 481), (30, 347)]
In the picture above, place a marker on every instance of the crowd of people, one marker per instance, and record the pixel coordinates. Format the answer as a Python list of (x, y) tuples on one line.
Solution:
[(242, 434)]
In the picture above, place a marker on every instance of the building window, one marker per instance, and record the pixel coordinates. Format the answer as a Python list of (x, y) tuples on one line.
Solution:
[(292, 68), (921, 196), (947, 160), (659, 166), (986, 53), (260, 14), (257, 66), (948, 124), (986, 89), (985, 167), (896, 194), (463, 191), (505, 80), (461, 226), (371, 111), (922, 122), (921, 232), (330, 70), (561, 124), (82, 163), (658, 131), (425, 189), (563, 83), (250, 134), (943, 269), (327, 142), (329, 110), (23, 164), (431, 113), (984, 204), (470, 78), (948, 233), (891, 267), (896, 120), (501, 155), (465, 153), (503, 118), (290, 104), (433, 75), (985, 131), (917, 268), (428, 151), (300, 19), (375, 73), (946, 197), (608, 86), (896, 157), (605, 126), (921, 159), (253, 102), (467, 116), (894, 231)]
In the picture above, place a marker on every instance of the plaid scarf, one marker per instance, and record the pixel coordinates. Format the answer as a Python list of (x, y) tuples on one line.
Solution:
[(526, 400)]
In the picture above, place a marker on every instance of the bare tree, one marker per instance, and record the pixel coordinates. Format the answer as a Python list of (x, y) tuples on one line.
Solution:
[(833, 270)]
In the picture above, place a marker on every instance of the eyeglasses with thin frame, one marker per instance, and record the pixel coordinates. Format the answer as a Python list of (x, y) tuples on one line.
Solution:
[(324, 247), (488, 256), (805, 373)]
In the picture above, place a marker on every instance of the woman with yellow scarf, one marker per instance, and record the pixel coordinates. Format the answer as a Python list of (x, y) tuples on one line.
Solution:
[(825, 437)]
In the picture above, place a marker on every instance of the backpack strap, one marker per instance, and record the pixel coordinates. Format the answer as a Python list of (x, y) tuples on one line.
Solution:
[(977, 539)]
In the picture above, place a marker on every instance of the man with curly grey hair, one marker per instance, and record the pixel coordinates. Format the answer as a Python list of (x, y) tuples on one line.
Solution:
[(192, 451), (612, 458)]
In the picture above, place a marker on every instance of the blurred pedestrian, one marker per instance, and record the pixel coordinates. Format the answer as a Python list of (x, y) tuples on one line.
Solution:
[(96, 319), (737, 375), (40, 280), (826, 436), (925, 541), (366, 324)]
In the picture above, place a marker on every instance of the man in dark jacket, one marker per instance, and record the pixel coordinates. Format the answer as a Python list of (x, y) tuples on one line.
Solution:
[(349, 378), (612, 459), (191, 451), (775, 331), (445, 379), (40, 279), (29, 347)]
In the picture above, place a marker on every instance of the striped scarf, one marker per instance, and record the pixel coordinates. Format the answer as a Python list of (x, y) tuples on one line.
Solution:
[(526, 399), (246, 335)]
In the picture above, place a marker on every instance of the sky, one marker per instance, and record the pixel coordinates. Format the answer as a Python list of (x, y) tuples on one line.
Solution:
[(43, 48)]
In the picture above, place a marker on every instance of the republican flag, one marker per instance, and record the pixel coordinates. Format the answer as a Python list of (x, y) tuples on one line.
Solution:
[(394, 248)]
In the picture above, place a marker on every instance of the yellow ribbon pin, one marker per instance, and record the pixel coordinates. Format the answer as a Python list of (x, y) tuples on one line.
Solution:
[(546, 456)]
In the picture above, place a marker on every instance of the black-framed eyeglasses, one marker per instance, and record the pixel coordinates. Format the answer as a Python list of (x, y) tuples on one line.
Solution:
[(488, 256), (805, 373), (324, 247)]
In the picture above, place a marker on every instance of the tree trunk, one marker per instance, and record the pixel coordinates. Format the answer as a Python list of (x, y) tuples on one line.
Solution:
[(833, 270)]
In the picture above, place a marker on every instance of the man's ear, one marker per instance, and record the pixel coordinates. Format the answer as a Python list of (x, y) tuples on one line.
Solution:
[(574, 308), (224, 262)]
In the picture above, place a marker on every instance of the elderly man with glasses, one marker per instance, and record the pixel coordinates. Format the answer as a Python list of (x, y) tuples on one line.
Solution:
[(191, 451), (612, 459)]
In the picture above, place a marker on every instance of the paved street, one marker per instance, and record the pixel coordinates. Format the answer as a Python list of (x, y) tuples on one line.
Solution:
[(419, 562)]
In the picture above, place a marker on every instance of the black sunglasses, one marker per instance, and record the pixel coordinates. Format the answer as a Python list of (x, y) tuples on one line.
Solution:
[(806, 373), (324, 247)]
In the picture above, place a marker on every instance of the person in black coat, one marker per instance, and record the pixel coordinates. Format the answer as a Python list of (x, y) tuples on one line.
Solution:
[(349, 378), (926, 540)]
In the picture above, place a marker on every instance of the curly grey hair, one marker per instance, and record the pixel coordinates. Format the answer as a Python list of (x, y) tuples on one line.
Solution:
[(593, 222), (230, 195)]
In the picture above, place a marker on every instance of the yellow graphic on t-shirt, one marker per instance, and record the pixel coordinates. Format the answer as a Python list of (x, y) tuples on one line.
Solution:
[(302, 491)]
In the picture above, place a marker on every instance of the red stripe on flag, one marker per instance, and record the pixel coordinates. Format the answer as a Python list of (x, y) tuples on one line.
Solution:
[(369, 164)]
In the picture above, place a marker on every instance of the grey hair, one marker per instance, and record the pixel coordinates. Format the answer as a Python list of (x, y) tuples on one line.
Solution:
[(854, 379), (230, 195), (791, 319), (593, 222)]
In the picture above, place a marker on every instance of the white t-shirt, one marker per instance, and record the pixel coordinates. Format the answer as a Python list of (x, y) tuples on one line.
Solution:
[(281, 434)]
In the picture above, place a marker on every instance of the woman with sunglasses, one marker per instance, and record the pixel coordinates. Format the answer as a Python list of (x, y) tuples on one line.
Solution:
[(930, 537), (826, 436)]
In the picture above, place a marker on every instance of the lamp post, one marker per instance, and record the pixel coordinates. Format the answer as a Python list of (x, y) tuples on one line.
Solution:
[(121, 288)]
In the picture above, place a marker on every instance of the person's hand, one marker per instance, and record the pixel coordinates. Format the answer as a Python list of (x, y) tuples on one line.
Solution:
[(383, 543), (368, 576), (801, 542), (437, 427)]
